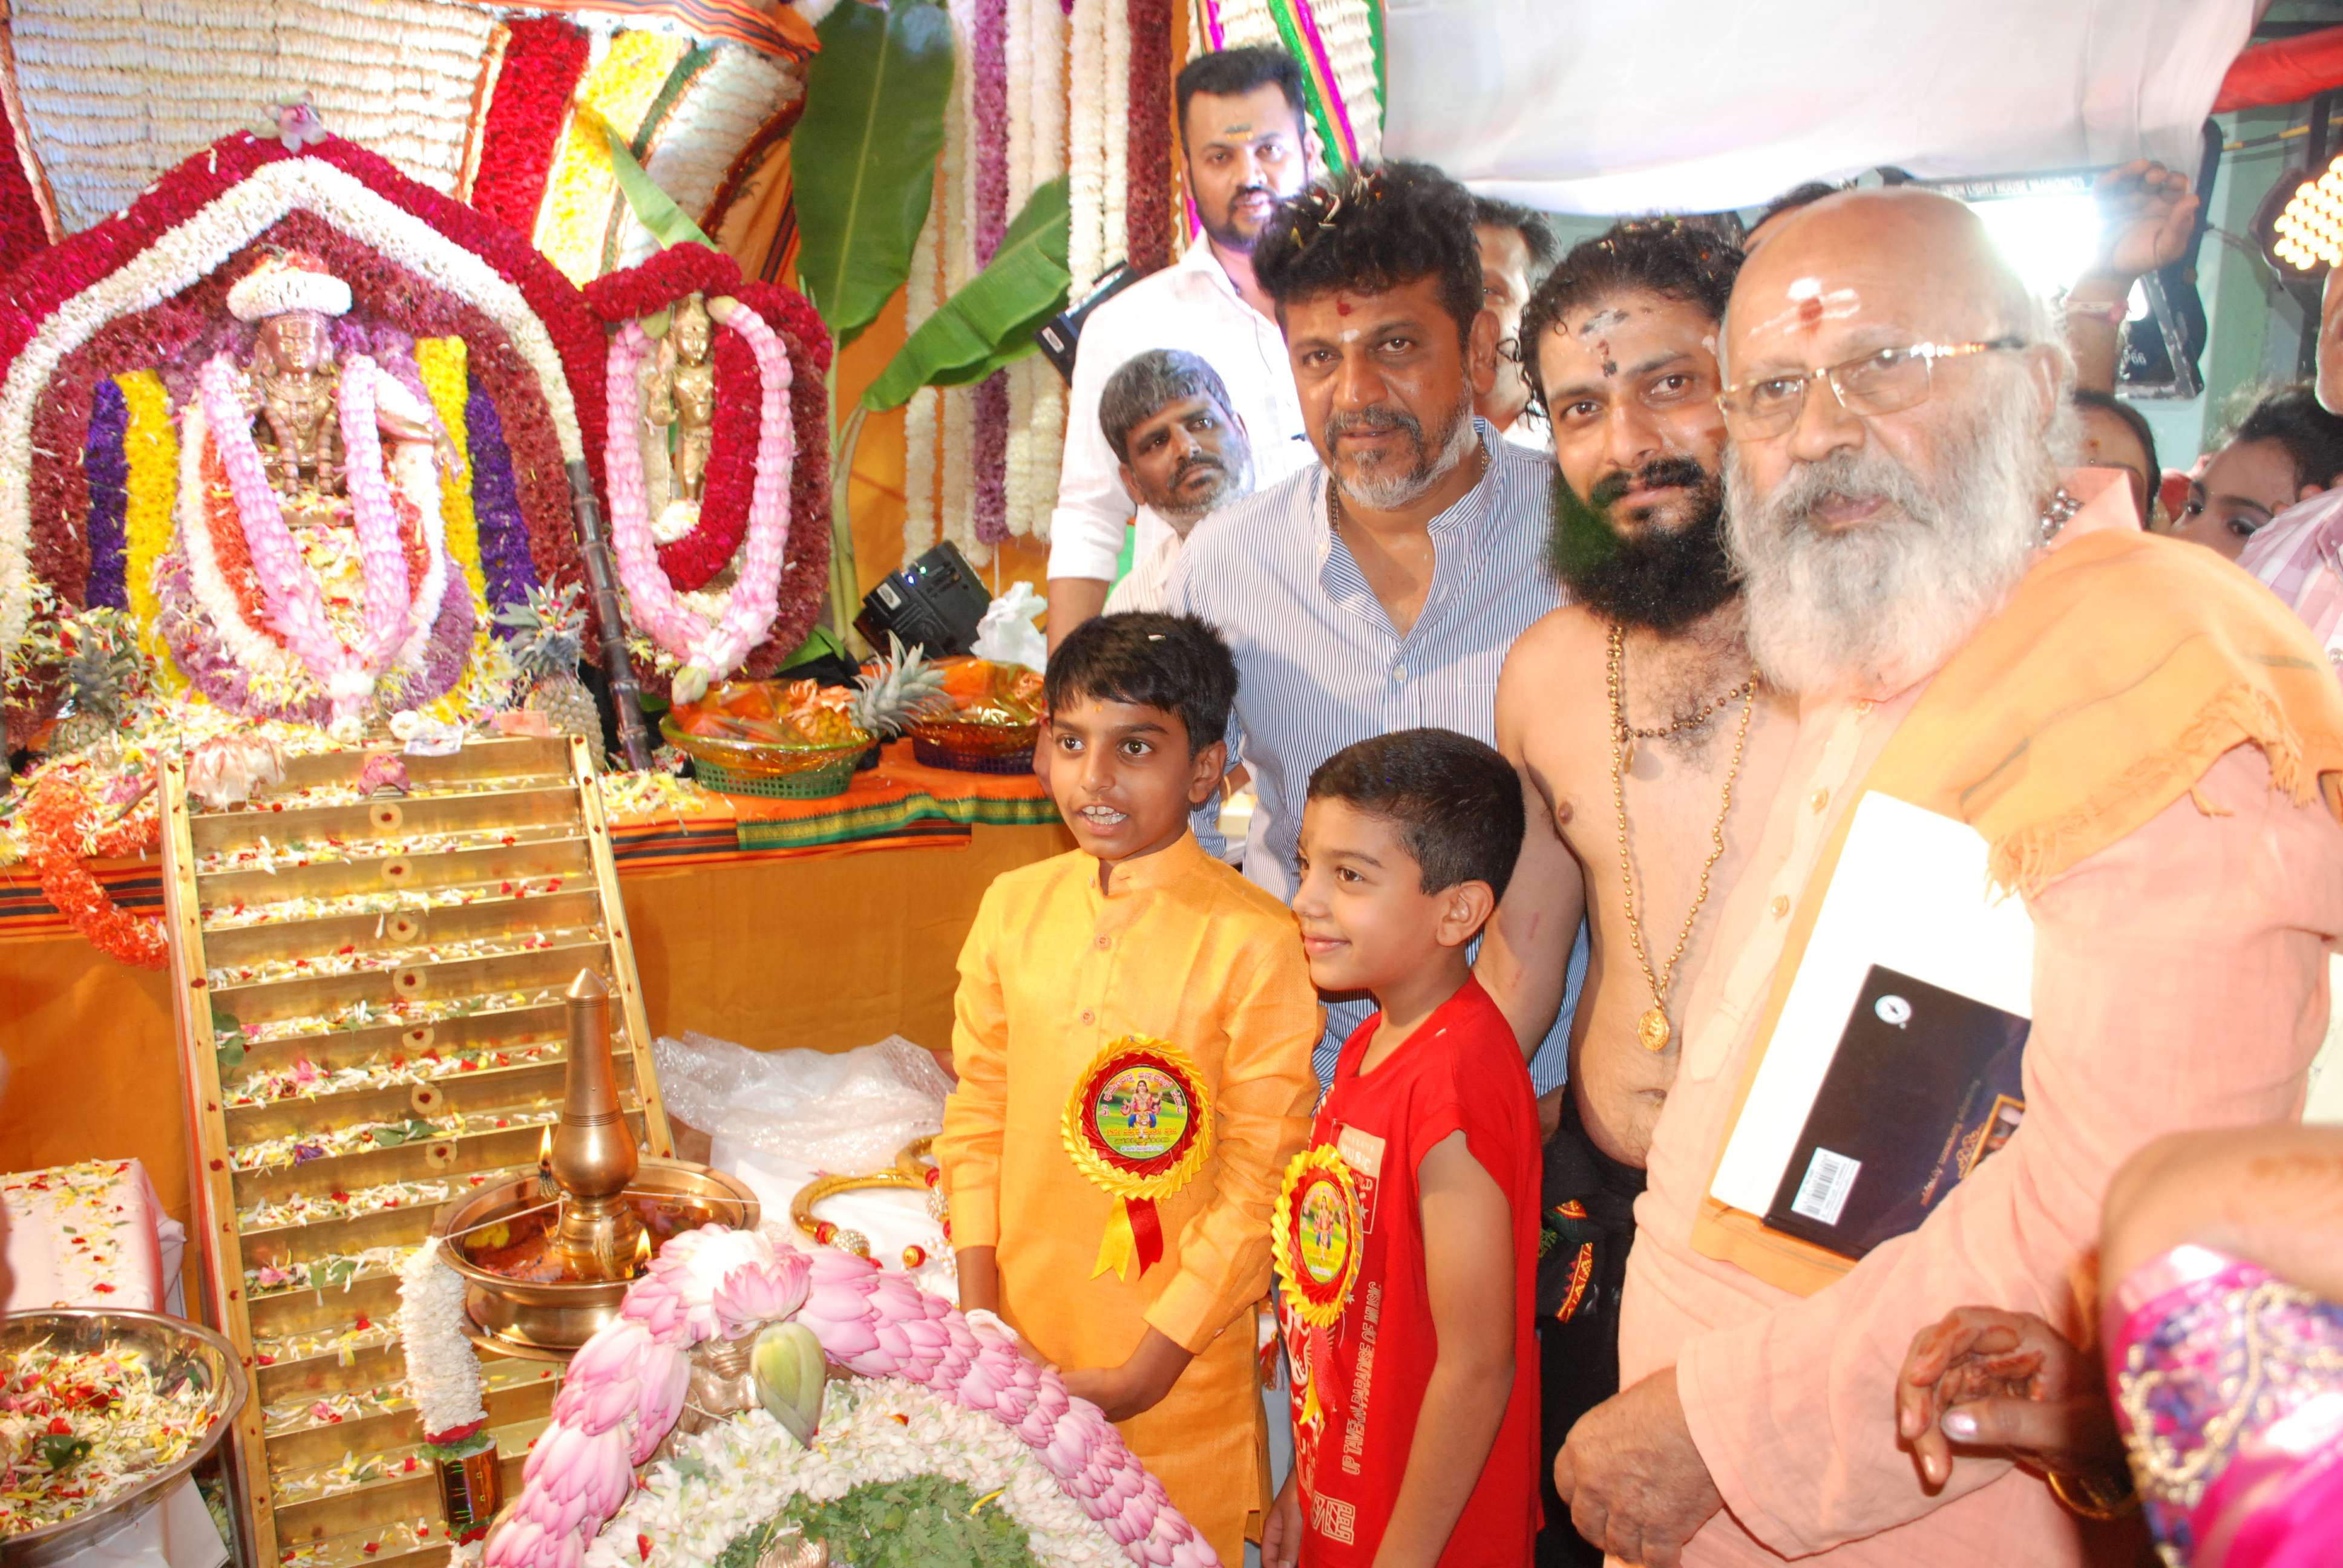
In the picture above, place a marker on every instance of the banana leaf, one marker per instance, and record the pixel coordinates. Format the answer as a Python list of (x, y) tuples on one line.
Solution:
[(653, 208), (864, 155), (990, 322)]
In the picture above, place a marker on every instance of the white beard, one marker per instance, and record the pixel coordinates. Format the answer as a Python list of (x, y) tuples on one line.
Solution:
[(1870, 611), (1390, 492)]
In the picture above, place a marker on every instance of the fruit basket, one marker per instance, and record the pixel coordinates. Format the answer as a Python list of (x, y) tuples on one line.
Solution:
[(967, 747), (994, 723), (776, 772), (171, 1391), (783, 740)]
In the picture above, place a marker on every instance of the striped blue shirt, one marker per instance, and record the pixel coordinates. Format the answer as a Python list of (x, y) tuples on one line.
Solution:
[(1321, 666)]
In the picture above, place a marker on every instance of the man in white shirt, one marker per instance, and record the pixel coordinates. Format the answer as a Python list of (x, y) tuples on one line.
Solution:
[(1180, 451), (1518, 248), (1241, 125)]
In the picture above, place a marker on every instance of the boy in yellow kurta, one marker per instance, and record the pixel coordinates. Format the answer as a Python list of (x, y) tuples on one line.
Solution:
[(1133, 1036)]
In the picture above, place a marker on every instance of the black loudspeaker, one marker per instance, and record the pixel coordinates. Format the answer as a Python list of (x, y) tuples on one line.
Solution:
[(933, 603)]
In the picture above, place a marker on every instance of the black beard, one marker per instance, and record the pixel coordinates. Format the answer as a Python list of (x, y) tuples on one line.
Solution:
[(1657, 579)]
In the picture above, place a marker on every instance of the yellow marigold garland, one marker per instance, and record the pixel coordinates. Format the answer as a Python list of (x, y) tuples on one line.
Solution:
[(151, 453), (443, 364), (618, 92)]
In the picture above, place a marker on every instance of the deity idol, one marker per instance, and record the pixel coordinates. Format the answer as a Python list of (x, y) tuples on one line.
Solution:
[(310, 578), (681, 394)]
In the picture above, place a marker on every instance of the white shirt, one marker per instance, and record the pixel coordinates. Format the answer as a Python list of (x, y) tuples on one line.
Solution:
[(1319, 664), (1191, 305), (1147, 585)]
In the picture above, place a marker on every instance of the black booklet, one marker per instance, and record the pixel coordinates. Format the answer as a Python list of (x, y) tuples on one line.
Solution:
[(1924, 1085)]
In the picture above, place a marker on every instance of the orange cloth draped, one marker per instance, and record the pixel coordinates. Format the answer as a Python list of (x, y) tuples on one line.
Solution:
[(2122, 670), (1182, 949)]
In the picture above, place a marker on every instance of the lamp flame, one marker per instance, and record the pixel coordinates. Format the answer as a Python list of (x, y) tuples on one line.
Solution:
[(642, 1250)]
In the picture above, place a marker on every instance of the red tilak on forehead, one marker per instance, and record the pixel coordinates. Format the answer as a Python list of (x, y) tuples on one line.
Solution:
[(1341, 306), (1810, 311)]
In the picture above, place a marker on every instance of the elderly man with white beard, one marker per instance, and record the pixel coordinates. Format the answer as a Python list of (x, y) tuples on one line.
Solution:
[(2147, 744)]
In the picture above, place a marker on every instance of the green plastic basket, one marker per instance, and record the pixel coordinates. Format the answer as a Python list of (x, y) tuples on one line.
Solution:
[(808, 784)]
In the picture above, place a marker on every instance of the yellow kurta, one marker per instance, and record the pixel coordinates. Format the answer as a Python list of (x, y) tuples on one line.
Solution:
[(1184, 950)]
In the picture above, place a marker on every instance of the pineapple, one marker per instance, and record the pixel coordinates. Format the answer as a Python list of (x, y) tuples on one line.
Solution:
[(903, 689), (548, 638), (103, 668)]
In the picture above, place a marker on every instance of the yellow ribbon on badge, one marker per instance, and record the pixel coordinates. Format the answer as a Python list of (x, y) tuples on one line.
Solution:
[(1139, 1126), (1316, 1240)]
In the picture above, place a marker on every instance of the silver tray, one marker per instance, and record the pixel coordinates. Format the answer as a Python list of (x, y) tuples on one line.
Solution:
[(177, 1349)]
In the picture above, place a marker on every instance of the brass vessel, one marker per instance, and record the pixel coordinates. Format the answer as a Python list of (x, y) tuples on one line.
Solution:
[(598, 1182)]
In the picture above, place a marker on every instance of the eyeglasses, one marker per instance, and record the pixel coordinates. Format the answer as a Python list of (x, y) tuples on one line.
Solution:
[(1886, 381)]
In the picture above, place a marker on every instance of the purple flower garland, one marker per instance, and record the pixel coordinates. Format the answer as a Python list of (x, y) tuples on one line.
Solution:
[(505, 564), (108, 471), (989, 90)]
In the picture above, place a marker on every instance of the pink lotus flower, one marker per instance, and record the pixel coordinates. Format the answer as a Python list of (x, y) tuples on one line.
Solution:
[(1194, 1553), (752, 1296)]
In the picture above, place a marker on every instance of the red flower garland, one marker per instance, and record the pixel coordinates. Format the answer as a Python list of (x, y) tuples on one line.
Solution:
[(544, 57), (805, 572), (23, 233), (1147, 214), (666, 278), (695, 559), (53, 816)]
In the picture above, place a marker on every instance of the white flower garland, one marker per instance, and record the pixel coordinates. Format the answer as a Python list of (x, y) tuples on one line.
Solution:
[(922, 416), (443, 1375), (1087, 130), (747, 1468), (1346, 29), (1036, 421), (724, 104), (118, 91), (198, 246), (1114, 211), (959, 483)]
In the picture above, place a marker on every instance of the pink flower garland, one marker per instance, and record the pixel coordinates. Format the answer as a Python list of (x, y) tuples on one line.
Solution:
[(625, 1388), (709, 654), (381, 554), (295, 607)]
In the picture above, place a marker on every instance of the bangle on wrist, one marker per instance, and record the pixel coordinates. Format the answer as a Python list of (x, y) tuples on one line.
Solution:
[(2086, 1499)]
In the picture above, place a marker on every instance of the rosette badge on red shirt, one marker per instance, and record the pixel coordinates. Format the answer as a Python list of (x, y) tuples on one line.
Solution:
[(1139, 1125)]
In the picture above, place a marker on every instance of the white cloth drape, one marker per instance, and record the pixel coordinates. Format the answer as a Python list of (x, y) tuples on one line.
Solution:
[(1697, 105)]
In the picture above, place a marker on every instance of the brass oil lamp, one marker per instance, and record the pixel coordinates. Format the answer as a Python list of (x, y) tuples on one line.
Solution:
[(546, 1257)]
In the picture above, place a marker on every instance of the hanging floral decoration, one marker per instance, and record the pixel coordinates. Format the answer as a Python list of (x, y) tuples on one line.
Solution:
[(63, 824), (103, 343), (764, 507)]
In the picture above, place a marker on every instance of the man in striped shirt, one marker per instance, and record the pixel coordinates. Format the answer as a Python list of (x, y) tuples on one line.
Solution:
[(1380, 589)]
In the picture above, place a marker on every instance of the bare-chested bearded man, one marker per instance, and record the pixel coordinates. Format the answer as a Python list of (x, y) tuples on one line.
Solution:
[(1620, 342)]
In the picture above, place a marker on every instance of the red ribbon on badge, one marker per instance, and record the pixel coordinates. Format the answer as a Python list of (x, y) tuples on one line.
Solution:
[(1139, 1126)]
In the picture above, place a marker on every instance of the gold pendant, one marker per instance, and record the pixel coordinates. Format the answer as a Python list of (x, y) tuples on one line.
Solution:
[(1653, 1030)]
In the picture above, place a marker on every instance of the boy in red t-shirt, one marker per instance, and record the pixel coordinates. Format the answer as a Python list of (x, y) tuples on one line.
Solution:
[(1406, 1233)]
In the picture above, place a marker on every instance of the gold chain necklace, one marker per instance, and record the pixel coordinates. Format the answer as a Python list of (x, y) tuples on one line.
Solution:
[(1693, 720), (1654, 1030)]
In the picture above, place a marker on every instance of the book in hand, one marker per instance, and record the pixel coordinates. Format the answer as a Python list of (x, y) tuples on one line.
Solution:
[(1924, 1085)]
